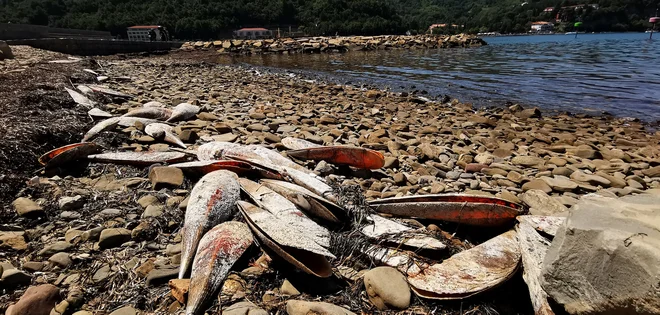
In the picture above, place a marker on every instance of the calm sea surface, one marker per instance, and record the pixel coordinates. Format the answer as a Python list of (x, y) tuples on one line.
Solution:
[(615, 73)]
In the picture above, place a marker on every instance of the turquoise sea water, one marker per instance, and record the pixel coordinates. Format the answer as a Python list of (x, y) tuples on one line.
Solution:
[(595, 73)]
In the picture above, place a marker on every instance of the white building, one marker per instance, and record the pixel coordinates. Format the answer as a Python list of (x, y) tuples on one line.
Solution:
[(542, 27), (253, 33), (147, 33)]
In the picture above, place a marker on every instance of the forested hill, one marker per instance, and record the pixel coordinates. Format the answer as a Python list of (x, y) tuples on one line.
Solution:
[(206, 19)]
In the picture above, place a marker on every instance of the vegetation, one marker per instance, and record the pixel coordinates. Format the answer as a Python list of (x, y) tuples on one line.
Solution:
[(205, 19)]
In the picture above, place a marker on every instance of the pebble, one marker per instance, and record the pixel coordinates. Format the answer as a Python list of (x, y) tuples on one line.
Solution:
[(387, 288), (126, 310), (541, 204), (114, 237), (61, 260), (71, 203), (56, 247), (162, 176), (298, 307), (244, 308), (179, 289), (161, 276), (15, 277), (537, 184), (26, 207), (288, 289), (14, 240)]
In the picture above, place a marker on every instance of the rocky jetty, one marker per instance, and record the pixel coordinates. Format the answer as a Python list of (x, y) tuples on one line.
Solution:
[(334, 44), (102, 237)]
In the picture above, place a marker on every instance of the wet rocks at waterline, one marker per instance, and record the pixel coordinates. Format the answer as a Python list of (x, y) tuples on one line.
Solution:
[(294, 196)]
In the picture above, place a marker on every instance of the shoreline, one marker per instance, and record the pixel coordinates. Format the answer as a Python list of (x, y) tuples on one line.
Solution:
[(429, 148)]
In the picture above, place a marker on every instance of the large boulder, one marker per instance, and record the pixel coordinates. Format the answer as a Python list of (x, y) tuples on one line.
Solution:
[(605, 259), (38, 300)]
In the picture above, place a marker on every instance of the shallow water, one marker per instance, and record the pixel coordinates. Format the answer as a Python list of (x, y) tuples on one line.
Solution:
[(614, 73)]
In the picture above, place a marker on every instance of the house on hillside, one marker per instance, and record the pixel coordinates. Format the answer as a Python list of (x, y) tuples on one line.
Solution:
[(253, 33), (148, 33), (442, 26), (542, 27)]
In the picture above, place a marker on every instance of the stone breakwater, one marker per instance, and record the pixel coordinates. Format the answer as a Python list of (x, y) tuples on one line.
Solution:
[(108, 239), (335, 44)]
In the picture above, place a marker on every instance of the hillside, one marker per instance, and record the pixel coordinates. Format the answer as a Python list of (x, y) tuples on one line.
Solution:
[(205, 19)]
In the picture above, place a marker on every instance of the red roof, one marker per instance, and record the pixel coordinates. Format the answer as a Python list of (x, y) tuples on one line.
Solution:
[(145, 26), (253, 29)]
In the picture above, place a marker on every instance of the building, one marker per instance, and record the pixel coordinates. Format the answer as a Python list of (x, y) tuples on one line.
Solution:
[(542, 27), (442, 26), (253, 33), (148, 33)]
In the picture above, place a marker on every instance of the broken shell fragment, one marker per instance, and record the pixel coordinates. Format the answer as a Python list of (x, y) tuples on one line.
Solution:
[(533, 248), (138, 158), (153, 104), (80, 99), (292, 143), (310, 202), (295, 248), (68, 153), (347, 155), (160, 130), (183, 111), (212, 201), (462, 275), (463, 209), (311, 182), (107, 91), (157, 113), (112, 123), (217, 252), (390, 231), (286, 211), (469, 272)]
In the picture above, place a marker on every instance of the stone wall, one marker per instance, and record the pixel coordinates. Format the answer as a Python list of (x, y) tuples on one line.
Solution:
[(95, 47), (336, 44), (9, 31)]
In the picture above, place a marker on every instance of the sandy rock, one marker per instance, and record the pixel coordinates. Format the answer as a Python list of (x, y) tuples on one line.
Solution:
[(71, 203), (179, 289), (298, 307), (33, 266), (114, 237), (652, 172), (15, 277), (56, 247), (13, 240), (541, 204), (38, 300), (126, 310), (161, 276), (26, 207), (591, 179), (387, 288), (537, 184), (244, 308), (616, 270), (527, 161), (559, 183), (529, 113), (61, 260), (162, 176), (288, 289)]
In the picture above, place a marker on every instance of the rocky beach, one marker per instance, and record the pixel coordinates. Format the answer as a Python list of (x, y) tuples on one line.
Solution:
[(93, 237)]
